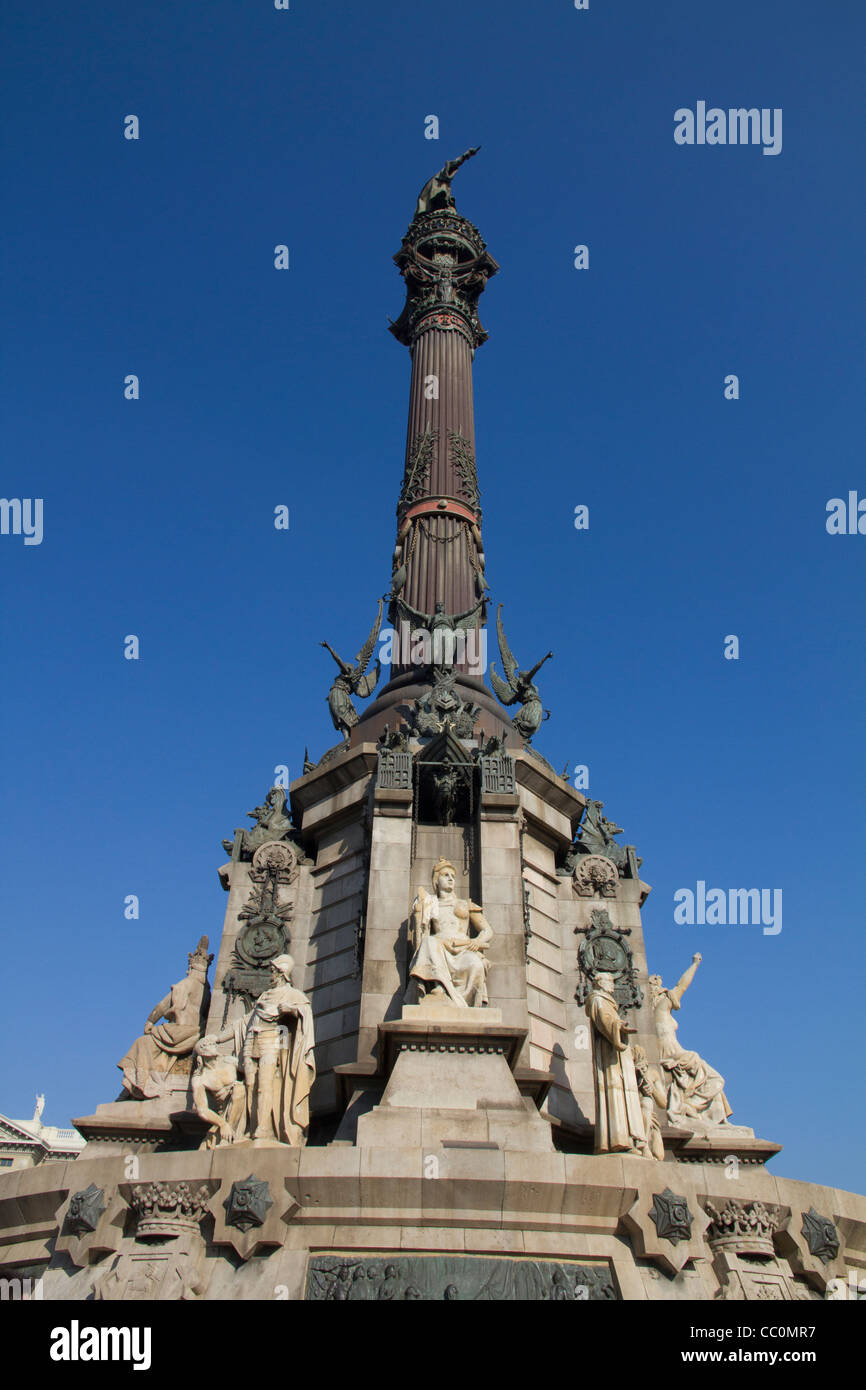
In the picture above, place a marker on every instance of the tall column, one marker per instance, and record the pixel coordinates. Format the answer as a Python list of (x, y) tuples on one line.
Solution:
[(439, 556)]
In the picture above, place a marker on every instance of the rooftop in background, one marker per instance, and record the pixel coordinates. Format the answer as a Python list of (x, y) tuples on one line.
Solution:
[(24, 1143)]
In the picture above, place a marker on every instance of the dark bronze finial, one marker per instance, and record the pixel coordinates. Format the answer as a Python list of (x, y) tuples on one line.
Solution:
[(436, 193)]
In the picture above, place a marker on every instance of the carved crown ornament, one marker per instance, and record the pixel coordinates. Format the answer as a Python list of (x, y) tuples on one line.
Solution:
[(165, 1209), (742, 1227)]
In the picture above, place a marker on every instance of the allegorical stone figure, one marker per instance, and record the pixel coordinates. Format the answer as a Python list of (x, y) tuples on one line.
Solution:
[(619, 1122), (274, 1045), (695, 1091), (652, 1093), (449, 962), (217, 1094), (150, 1061)]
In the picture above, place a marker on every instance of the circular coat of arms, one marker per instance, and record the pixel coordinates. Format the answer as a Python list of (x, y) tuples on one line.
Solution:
[(595, 874)]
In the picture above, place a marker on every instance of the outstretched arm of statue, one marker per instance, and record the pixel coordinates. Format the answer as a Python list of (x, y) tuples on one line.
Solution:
[(538, 665), (684, 981), (454, 164), (339, 660)]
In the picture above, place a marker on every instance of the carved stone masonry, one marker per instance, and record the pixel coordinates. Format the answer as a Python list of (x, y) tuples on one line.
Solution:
[(247, 1204), (384, 1278), (605, 951), (267, 916), (167, 1209), (821, 1235), (742, 1227), (394, 771), (497, 775), (85, 1209), (593, 873), (671, 1216), (168, 1259)]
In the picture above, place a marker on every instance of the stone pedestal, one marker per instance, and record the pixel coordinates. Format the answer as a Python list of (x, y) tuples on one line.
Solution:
[(450, 1083), (142, 1125)]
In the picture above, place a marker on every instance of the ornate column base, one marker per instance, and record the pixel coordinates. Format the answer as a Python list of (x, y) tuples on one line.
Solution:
[(450, 1083)]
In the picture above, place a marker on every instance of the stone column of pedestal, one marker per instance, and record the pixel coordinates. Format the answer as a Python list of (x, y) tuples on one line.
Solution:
[(502, 900), (576, 918), (389, 897)]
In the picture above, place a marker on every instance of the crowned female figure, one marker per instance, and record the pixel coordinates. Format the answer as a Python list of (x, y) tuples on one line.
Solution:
[(166, 1048), (450, 936)]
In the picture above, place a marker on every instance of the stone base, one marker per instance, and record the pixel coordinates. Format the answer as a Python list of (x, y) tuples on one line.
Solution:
[(450, 1082), (139, 1122), (354, 1209), (444, 1011), (718, 1145)]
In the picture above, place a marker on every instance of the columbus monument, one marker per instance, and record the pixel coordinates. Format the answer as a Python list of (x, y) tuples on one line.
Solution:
[(429, 1058)]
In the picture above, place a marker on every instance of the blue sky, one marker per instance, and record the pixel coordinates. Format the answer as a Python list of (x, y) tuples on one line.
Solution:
[(602, 387)]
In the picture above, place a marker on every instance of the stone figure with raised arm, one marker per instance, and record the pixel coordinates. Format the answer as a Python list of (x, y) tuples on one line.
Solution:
[(695, 1090), (449, 962)]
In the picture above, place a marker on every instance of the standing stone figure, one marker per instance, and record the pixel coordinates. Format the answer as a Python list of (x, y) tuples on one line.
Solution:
[(151, 1059), (695, 1089), (619, 1123), (448, 962), (274, 1045)]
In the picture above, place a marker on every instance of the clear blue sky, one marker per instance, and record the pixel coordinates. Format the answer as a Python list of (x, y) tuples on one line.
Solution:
[(603, 387)]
